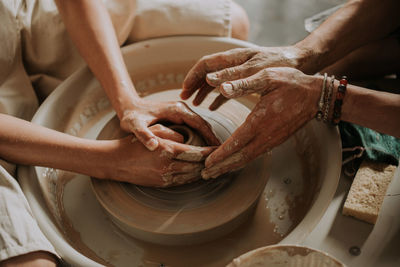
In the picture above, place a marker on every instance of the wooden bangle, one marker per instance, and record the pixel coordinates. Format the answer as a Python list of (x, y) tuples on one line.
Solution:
[(337, 108)]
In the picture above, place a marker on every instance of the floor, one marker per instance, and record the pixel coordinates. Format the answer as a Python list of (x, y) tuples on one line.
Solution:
[(281, 22)]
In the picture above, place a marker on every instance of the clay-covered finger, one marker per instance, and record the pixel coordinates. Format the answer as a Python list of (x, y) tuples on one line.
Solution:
[(166, 133), (227, 165), (198, 123), (255, 83), (218, 101), (237, 160), (187, 152), (211, 63), (202, 94), (239, 139), (185, 167), (143, 134), (179, 179), (229, 74), (195, 154)]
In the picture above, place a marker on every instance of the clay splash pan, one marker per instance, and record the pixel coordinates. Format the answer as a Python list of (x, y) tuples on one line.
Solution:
[(303, 172)]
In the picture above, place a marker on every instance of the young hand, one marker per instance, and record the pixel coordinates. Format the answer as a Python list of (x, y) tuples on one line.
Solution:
[(172, 163), (139, 118)]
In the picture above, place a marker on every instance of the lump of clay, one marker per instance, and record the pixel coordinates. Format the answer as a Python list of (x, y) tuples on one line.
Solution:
[(190, 136)]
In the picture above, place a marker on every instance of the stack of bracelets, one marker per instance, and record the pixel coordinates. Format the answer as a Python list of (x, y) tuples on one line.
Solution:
[(326, 97)]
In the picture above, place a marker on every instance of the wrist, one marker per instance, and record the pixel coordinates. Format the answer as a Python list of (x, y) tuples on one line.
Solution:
[(104, 156), (310, 57), (126, 105), (329, 94), (315, 86), (85, 156), (122, 95)]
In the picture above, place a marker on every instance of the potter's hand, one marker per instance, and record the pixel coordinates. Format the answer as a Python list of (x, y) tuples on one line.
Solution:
[(289, 100), (170, 164), (145, 113), (213, 70)]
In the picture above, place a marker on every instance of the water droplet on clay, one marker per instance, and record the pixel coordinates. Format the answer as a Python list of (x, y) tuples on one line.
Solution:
[(354, 250), (287, 181), (281, 217)]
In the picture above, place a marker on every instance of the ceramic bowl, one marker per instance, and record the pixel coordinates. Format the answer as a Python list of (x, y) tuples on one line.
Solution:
[(286, 255)]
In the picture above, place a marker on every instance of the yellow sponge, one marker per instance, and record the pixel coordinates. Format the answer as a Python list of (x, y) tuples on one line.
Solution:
[(368, 191)]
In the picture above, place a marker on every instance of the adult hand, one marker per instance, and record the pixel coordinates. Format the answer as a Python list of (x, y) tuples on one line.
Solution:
[(172, 163), (213, 70), (288, 100), (145, 113)]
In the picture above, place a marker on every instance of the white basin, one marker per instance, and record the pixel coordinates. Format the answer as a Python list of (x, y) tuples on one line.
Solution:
[(72, 219)]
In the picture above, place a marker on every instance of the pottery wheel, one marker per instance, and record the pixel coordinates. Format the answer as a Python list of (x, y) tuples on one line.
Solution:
[(188, 214)]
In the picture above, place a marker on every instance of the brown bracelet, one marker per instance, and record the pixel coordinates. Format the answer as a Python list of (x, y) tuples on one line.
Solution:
[(337, 108), (328, 98), (321, 99)]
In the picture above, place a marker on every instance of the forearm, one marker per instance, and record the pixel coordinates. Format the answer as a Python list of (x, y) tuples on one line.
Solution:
[(91, 29), (22, 142), (376, 110), (354, 25)]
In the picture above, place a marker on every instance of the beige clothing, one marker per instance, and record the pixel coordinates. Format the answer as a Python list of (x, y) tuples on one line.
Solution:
[(36, 54)]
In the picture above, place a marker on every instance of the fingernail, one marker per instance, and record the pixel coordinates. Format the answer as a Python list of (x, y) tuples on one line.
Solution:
[(152, 144), (210, 173), (205, 174), (184, 95), (212, 77), (228, 88)]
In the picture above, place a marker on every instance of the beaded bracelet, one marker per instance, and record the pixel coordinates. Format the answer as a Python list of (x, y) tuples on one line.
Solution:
[(321, 99), (337, 108)]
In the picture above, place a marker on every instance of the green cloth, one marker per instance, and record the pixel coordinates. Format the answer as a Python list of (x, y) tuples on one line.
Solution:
[(378, 147)]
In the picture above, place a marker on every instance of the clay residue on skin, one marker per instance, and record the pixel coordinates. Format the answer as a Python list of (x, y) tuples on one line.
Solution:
[(231, 146), (187, 173), (277, 106), (171, 179), (259, 113), (219, 168), (195, 155)]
